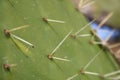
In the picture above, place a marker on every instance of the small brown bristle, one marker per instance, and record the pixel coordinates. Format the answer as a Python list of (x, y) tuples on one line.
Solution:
[(44, 19), (73, 36), (102, 77), (6, 67), (91, 42), (82, 71), (93, 32), (49, 56), (6, 32)]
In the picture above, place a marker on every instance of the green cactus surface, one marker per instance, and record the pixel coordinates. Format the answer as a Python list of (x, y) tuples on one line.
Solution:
[(36, 43)]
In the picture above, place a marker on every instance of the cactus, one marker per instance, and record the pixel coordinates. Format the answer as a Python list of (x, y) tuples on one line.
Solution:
[(101, 8), (47, 40), (112, 6)]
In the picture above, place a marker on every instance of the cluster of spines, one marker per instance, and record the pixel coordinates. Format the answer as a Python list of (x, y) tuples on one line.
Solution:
[(51, 57)]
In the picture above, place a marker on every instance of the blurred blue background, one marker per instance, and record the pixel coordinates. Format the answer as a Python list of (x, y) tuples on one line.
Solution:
[(104, 32)]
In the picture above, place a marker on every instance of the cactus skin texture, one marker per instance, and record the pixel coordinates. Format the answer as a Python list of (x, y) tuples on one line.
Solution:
[(19, 61)]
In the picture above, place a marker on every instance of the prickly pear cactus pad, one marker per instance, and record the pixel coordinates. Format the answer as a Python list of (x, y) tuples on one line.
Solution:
[(112, 6), (48, 40)]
